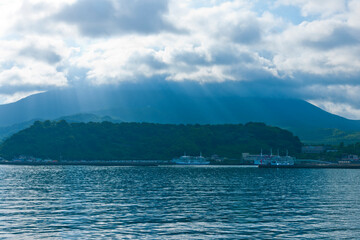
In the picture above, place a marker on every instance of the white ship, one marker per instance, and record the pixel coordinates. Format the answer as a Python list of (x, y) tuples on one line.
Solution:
[(274, 160), (190, 160)]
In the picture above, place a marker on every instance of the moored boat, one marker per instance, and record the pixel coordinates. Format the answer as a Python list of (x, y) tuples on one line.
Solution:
[(191, 160), (274, 160)]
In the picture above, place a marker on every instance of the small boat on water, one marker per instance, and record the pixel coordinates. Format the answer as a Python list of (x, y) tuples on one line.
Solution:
[(190, 160), (274, 160)]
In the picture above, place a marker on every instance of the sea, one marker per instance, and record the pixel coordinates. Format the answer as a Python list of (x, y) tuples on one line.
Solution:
[(178, 202)]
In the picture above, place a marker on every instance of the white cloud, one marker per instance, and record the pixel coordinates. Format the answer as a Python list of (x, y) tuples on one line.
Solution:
[(8, 15), (341, 109), (32, 63), (324, 8), (38, 75), (42, 45), (10, 98), (320, 47), (191, 56)]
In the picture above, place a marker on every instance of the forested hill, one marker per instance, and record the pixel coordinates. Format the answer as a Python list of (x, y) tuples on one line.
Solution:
[(111, 141)]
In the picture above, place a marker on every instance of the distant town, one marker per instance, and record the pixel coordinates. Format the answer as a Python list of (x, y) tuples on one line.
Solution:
[(318, 154)]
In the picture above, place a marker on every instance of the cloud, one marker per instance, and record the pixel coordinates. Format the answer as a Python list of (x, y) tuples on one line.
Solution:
[(31, 64), (340, 36), (324, 8), (9, 98), (46, 55), (254, 45), (248, 31), (36, 75), (341, 109), (96, 18)]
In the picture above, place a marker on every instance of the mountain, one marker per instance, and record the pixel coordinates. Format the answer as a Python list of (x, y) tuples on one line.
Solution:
[(175, 103), (327, 136), (112, 141), (84, 117), (10, 130)]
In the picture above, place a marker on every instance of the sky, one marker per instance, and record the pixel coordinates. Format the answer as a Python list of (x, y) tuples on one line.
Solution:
[(284, 48)]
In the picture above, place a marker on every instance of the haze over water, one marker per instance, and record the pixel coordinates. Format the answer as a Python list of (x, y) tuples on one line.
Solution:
[(178, 202)]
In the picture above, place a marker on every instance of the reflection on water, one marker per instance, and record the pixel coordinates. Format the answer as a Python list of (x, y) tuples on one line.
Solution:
[(178, 202)]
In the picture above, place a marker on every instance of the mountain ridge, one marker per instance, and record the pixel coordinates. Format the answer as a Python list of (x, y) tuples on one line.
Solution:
[(175, 104), (76, 118), (144, 141)]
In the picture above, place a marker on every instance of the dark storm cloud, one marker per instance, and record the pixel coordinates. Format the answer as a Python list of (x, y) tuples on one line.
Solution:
[(44, 55), (110, 17), (339, 37)]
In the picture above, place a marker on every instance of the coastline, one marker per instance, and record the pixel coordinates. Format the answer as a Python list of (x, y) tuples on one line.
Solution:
[(154, 163), (79, 163), (341, 166)]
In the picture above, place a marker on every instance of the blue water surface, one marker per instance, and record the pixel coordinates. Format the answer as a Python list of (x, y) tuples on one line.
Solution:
[(169, 202)]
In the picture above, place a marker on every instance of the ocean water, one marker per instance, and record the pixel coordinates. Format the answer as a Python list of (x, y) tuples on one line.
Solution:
[(207, 202)]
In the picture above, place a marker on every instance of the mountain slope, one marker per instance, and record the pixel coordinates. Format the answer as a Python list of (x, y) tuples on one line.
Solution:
[(85, 117), (176, 104), (114, 141)]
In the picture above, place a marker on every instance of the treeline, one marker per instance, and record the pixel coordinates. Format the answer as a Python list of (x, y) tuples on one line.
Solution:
[(112, 141)]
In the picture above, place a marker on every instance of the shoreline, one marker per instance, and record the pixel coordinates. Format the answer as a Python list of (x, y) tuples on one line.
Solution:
[(130, 163), (140, 164), (341, 166)]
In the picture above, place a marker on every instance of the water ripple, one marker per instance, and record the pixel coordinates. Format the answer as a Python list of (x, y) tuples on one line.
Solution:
[(89, 202)]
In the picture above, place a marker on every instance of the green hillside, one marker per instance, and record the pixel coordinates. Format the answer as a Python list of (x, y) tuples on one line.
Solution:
[(109, 141), (330, 136), (7, 131), (179, 103)]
